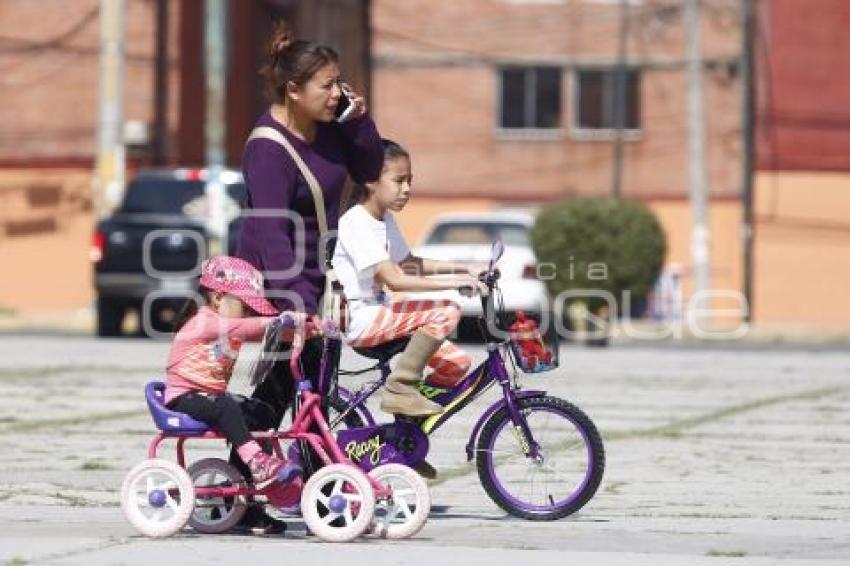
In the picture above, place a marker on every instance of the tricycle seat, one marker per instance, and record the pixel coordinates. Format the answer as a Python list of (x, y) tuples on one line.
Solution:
[(166, 420), (386, 351)]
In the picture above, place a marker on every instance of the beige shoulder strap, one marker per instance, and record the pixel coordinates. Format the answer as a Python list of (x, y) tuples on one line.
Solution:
[(270, 133)]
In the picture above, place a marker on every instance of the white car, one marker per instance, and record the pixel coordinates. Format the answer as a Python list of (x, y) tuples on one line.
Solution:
[(469, 236)]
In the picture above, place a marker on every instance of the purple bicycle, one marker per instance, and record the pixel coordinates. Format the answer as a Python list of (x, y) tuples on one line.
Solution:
[(538, 457)]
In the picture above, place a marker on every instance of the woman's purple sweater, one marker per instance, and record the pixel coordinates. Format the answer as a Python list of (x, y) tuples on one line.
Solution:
[(275, 185)]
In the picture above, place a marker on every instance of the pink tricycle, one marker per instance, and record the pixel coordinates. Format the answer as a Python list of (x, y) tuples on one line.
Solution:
[(339, 502)]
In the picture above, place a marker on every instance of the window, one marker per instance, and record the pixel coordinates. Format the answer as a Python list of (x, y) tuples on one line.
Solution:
[(483, 233), (596, 99), (170, 196), (530, 98)]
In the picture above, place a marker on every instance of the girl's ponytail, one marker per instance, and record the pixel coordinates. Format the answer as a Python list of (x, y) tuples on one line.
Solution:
[(291, 60)]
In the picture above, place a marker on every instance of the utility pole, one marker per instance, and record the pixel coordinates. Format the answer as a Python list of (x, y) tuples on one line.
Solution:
[(215, 49), (697, 177), (111, 157), (748, 31), (160, 100), (620, 99)]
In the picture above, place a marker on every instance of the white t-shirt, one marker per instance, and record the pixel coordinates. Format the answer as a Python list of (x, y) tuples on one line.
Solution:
[(362, 243)]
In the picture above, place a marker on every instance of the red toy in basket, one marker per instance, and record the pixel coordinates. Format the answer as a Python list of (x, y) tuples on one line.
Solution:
[(526, 335)]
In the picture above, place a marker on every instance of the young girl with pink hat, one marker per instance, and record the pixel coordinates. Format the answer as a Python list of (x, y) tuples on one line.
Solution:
[(210, 333)]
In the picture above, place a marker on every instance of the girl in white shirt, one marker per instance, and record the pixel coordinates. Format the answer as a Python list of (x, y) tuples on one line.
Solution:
[(374, 263)]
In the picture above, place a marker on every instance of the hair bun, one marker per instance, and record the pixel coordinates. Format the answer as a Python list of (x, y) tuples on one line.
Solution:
[(282, 38)]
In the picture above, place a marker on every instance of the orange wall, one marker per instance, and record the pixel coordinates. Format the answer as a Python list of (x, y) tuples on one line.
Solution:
[(802, 254), (802, 250), (47, 272), (45, 268), (725, 244)]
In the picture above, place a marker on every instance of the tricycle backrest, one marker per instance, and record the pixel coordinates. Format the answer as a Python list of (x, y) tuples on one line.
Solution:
[(169, 421)]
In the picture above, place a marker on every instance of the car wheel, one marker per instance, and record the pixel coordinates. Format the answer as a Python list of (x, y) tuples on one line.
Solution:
[(110, 315), (161, 318)]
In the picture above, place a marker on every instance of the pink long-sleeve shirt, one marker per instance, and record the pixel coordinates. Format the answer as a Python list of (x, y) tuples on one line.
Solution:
[(205, 350)]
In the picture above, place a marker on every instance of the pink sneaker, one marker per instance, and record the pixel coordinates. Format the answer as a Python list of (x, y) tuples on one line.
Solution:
[(264, 469), (286, 496)]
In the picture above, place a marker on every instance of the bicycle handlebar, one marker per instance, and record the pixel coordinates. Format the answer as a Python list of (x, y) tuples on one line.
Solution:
[(328, 328), (299, 335), (490, 277)]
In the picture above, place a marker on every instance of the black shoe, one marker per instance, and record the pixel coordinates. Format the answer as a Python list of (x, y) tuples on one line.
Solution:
[(425, 470), (257, 522)]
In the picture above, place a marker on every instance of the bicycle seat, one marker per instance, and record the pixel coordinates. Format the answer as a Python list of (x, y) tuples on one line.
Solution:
[(384, 352), (166, 420)]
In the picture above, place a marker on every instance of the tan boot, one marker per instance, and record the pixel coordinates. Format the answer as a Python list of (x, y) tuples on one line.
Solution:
[(425, 470), (401, 395)]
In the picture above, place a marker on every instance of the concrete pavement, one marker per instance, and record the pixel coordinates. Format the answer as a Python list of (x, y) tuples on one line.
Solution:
[(714, 456)]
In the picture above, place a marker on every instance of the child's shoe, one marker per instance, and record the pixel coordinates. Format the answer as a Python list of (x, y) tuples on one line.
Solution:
[(425, 470), (265, 468), (257, 522), (289, 472), (286, 496)]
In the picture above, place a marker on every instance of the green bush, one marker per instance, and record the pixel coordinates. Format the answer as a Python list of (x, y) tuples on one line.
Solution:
[(608, 244)]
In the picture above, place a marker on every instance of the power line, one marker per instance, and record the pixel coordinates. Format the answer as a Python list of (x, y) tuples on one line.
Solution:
[(498, 27), (21, 45), (503, 25)]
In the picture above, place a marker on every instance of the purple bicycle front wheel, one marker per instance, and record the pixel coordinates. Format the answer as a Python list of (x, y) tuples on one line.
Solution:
[(555, 482)]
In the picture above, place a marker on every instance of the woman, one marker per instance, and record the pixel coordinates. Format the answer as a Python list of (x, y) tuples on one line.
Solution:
[(280, 231)]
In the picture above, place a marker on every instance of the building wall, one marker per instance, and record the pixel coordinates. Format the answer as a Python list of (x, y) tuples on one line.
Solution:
[(802, 250), (804, 72), (52, 270), (340, 24), (437, 92), (724, 248), (802, 235), (49, 61), (49, 78)]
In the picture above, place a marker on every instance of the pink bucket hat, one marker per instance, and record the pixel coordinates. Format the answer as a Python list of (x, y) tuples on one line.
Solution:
[(236, 277)]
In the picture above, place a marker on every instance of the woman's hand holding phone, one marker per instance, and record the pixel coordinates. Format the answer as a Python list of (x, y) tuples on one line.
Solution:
[(351, 105)]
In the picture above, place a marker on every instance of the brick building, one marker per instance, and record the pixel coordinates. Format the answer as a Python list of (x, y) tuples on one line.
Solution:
[(448, 82), (501, 102), (49, 57), (514, 102), (802, 185), (49, 54)]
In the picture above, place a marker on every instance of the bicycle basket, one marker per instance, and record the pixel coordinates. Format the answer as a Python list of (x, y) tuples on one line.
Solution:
[(534, 352)]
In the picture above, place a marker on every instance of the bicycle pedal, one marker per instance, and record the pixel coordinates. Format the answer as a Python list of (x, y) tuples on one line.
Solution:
[(410, 420)]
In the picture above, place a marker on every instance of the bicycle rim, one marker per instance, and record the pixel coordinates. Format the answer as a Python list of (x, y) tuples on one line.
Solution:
[(555, 481)]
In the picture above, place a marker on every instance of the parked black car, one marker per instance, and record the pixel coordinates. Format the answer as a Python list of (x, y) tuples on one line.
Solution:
[(163, 212)]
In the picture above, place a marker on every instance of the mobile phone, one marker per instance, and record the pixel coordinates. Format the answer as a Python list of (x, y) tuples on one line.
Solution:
[(344, 108)]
